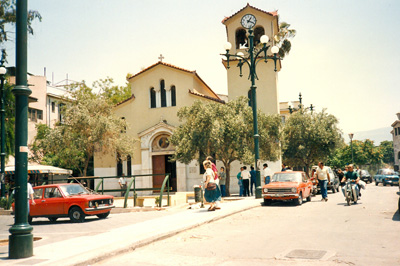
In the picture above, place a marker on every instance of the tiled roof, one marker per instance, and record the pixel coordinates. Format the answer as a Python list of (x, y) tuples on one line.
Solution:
[(274, 13), (178, 68), (124, 101), (194, 92)]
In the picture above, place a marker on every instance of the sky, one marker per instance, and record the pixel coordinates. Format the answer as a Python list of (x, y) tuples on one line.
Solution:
[(344, 58)]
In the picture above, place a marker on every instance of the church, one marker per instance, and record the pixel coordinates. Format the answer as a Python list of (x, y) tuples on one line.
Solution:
[(160, 90)]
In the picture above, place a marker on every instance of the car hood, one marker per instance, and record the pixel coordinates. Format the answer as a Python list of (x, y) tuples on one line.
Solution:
[(91, 196), (281, 184), (392, 176)]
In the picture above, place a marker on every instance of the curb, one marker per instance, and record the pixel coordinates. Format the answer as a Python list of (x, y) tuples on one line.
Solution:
[(153, 239)]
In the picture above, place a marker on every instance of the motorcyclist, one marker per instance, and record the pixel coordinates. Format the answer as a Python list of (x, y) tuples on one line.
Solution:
[(352, 176)]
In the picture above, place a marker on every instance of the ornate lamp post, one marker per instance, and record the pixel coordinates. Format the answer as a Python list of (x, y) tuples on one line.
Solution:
[(351, 145), (251, 59), (21, 238), (291, 110), (3, 72)]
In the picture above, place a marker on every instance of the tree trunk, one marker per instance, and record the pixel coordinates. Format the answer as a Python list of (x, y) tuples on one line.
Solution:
[(228, 178)]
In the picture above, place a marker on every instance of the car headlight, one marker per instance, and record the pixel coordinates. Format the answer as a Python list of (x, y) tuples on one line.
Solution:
[(110, 201), (265, 190), (294, 190), (90, 204)]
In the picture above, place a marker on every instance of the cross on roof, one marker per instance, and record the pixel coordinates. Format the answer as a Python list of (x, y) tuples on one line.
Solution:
[(161, 57)]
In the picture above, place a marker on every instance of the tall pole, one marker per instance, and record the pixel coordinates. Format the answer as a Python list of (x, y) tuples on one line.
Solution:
[(255, 120), (351, 146), (21, 238), (3, 130)]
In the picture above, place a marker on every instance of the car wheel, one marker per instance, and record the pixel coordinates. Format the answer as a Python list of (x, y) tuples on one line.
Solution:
[(267, 202), (376, 183), (103, 215), (309, 197), (299, 200), (53, 219), (76, 215), (384, 183)]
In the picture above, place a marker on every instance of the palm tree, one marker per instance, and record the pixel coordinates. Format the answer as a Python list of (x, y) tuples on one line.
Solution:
[(282, 38)]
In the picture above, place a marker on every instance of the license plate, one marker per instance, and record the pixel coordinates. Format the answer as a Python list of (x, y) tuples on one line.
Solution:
[(279, 195)]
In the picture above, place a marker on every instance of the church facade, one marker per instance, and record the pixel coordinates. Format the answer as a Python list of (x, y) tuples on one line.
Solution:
[(160, 90)]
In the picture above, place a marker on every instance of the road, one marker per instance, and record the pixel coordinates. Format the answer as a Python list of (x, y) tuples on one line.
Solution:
[(316, 233)]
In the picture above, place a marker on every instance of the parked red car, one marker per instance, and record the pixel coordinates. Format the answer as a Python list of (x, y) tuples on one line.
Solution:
[(68, 200), (288, 185)]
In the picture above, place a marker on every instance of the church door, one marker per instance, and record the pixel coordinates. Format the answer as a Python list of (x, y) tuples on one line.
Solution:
[(161, 165)]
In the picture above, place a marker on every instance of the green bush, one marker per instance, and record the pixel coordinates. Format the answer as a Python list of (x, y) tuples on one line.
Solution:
[(157, 200), (3, 203)]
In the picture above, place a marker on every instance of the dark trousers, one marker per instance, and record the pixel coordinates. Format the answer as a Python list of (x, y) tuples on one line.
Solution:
[(246, 191), (252, 184), (223, 190)]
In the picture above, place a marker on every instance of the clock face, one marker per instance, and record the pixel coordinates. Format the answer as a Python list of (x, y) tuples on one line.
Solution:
[(248, 21)]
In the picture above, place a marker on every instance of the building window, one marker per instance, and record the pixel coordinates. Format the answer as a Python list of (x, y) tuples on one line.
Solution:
[(129, 165), (241, 39), (53, 107), (35, 114), (258, 32), (173, 95), (61, 108), (396, 131), (119, 165), (152, 98), (283, 119), (163, 94)]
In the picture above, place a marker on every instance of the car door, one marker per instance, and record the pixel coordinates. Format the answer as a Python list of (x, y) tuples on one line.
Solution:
[(53, 201), (307, 186), (35, 210)]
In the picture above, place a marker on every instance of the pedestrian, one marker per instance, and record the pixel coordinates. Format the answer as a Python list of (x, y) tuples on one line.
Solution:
[(240, 182), (267, 173), (222, 181), (284, 168), (30, 195), (246, 181), (122, 184), (324, 179), (252, 179), (216, 178), (211, 193)]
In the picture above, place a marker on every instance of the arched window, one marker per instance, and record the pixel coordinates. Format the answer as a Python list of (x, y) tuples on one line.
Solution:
[(119, 165), (241, 38), (152, 98), (129, 165), (398, 156), (163, 94), (258, 32), (173, 95), (250, 98)]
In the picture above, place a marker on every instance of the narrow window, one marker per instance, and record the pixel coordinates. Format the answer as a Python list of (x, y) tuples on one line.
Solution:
[(129, 165), (53, 107), (173, 95), (152, 98), (163, 94), (60, 112), (258, 32), (241, 39), (119, 165)]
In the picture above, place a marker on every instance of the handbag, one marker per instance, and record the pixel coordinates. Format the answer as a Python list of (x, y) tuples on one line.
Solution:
[(211, 186)]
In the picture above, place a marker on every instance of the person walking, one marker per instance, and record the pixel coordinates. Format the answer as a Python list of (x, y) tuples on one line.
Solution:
[(246, 181), (252, 179), (216, 178), (122, 184), (267, 173), (240, 183), (211, 193), (30, 195), (222, 181), (324, 179)]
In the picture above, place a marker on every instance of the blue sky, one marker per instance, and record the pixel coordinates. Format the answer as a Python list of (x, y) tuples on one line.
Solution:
[(345, 56)]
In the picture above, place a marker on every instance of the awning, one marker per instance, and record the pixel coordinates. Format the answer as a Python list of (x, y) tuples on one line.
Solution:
[(41, 169)]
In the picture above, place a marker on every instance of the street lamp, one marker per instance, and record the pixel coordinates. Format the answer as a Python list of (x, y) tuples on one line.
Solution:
[(351, 145), (253, 57), (3, 72), (21, 238), (291, 110)]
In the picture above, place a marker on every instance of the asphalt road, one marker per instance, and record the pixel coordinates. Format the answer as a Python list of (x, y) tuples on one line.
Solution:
[(316, 233)]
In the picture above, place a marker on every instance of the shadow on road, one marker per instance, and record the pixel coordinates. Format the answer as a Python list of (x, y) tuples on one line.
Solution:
[(396, 216), (63, 221)]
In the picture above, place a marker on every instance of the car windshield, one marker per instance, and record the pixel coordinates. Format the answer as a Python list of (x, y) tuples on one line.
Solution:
[(286, 177), (389, 172), (73, 189), (364, 172)]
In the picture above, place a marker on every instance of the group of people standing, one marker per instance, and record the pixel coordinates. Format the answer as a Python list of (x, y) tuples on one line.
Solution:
[(247, 179)]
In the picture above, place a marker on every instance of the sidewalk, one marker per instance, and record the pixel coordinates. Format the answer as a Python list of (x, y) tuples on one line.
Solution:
[(90, 249)]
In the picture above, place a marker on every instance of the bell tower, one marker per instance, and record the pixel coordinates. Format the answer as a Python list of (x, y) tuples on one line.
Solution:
[(266, 24)]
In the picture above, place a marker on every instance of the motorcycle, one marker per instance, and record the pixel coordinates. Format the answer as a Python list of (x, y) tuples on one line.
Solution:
[(350, 192)]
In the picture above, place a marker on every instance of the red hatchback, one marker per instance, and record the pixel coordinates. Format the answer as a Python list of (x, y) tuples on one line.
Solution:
[(68, 200)]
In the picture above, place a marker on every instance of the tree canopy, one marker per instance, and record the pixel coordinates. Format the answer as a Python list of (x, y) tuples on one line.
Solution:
[(88, 125), (309, 137), (226, 131)]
